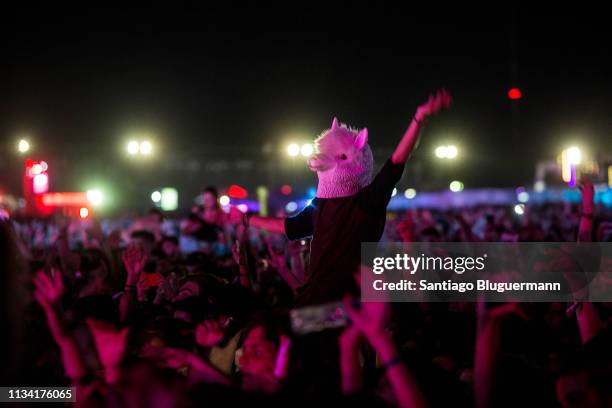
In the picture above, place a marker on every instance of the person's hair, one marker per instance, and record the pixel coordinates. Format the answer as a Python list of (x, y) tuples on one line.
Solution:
[(144, 234), (274, 325), (174, 240), (212, 190)]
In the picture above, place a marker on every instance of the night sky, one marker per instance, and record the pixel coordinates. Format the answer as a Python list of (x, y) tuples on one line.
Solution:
[(225, 82)]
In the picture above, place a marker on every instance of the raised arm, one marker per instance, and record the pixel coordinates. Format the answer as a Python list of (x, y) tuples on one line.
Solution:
[(271, 224), (589, 322), (486, 355), (134, 260), (370, 321), (48, 294), (442, 99), (585, 229)]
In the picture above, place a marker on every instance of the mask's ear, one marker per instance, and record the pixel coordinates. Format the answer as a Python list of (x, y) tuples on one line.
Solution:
[(362, 139), (335, 124)]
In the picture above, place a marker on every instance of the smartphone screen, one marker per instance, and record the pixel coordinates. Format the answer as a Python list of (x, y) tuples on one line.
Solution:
[(318, 318)]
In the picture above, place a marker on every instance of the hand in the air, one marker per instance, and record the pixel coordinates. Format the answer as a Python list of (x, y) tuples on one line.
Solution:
[(134, 260), (49, 290), (442, 99)]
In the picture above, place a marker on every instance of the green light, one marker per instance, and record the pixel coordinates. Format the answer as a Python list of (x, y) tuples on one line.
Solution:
[(169, 199)]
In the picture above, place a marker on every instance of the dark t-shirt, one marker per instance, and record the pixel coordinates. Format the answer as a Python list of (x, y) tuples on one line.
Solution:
[(339, 226)]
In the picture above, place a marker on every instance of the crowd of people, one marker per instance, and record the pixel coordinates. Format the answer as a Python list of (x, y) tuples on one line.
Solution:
[(197, 311)]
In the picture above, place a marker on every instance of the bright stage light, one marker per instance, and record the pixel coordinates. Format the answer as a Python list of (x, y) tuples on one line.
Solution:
[(515, 94), (456, 186), (23, 146), (441, 152), (94, 197), (410, 193), (394, 192), (224, 200), (293, 150), (519, 209), (574, 156), (133, 147), (156, 196), (84, 212), (447, 152), (451, 152), (41, 183), (307, 150), (169, 199), (146, 148)]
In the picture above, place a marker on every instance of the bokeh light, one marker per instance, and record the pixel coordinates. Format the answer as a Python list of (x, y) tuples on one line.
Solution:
[(307, 150), (519, 209), (293, 149), (574, 155), (515, 93), (156, 196), (291, 206), (410, 193), (94, 196), (456, 186), (169, 199), (36, 169), (441, 152), (23, 146), (133, 147), (224, 200), (451, 152), (286, 189), (145, 148)]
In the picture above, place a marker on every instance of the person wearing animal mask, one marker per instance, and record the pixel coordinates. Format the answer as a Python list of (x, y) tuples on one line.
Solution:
[(350, 206)]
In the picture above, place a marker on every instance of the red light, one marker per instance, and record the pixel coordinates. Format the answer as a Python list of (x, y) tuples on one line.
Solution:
[(286, 189), (235, 191), (64, 199), (515, 93)]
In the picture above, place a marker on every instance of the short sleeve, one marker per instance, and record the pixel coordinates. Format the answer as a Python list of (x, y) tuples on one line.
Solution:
[(378, 193), (300, 225)]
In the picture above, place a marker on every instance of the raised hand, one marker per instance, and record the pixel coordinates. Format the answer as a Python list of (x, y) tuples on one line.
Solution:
[(134, 259), (436, 102), (209, 333), (370, 320), (49, 290), (442, 99)]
